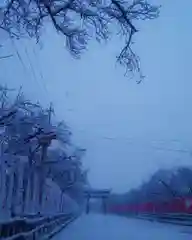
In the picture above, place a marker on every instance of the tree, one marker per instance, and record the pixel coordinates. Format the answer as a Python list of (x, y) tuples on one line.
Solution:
[(79, 21), (67, 172), (27, 131)]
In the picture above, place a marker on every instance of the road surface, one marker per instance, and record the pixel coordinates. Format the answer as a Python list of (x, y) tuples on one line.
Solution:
[(107, 227)]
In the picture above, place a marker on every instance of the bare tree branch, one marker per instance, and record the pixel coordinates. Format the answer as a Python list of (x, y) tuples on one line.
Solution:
[(6, 117), (81, 20)]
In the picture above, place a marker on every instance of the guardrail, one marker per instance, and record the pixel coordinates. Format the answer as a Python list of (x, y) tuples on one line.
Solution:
[(32, 229), (172, 218)]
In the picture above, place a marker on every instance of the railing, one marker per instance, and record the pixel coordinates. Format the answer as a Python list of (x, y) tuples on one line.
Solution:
[(172, 218), (41, 228)]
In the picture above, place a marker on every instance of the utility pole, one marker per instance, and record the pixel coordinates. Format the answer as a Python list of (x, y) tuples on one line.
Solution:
[(44, 142), (50, 111)]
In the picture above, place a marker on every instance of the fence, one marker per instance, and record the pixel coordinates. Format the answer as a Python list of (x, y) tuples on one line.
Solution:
[(19, 193), (177, 211), (171, 218), (175, 205), (32, 229)]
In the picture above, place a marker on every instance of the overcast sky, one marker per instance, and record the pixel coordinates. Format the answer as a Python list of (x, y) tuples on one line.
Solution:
[(129, 130)]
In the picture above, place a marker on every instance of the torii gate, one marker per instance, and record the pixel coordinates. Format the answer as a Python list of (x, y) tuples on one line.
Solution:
[(93, 193)]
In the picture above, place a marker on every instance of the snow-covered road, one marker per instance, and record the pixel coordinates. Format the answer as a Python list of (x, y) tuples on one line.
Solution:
[(101, 227)]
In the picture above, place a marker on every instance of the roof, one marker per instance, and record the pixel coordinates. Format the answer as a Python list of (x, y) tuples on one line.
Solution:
[(97, 192)]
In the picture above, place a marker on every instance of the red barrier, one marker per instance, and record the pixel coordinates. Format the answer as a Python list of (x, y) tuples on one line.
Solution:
[(177, 205)]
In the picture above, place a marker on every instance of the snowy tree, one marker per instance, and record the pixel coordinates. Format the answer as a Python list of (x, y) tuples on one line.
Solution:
[(27, 133), (80, 20), (67, 171)]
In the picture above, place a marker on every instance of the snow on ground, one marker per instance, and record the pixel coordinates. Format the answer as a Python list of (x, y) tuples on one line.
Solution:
[(107, 227)]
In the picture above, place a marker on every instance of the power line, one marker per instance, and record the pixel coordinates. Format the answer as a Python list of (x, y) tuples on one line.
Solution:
[(34, 75), (40, 71), (150, 144), (19, 56), (32, 70)]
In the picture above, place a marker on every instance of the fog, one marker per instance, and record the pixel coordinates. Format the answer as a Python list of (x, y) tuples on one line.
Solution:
[(129, 129)]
